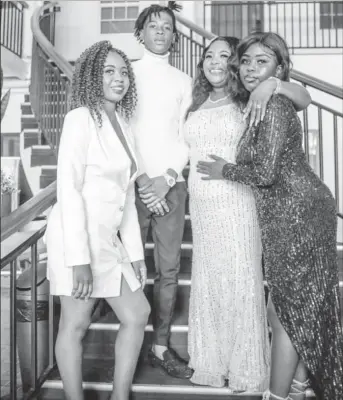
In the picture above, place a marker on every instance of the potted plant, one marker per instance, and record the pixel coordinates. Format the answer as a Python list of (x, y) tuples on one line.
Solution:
[(8, 186), (7, 179)]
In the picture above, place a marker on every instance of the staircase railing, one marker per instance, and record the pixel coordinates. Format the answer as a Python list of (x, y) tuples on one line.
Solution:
[(12, 23), (50, 79), (309, 25), (322, 119)]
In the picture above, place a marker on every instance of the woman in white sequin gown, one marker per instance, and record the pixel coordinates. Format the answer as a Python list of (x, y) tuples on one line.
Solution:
[(227, 321), (228, 337)]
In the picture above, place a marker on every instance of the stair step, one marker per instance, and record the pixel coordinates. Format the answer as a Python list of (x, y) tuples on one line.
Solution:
[(149, 384), (42, 155), (26, 108), (48, 175), (28, 122), (31, 137)]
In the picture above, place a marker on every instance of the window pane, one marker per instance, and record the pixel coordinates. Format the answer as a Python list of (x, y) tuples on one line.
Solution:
[(124, 26), (338, 8), (325, 21), (338, 21), (325, 8), (119, 12), (108, 27), (106, 13), (132, 12)]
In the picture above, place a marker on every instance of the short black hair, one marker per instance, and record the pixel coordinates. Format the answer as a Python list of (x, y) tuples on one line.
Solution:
[(156, 9)]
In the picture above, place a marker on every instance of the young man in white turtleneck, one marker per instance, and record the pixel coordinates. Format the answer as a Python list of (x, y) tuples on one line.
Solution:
[(164, 95)]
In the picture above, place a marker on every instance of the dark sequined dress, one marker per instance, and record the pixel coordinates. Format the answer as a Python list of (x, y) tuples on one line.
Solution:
[(297, 217)]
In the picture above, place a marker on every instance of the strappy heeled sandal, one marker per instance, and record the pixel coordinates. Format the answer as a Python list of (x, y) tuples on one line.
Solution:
[(299, 388), (268, 395)]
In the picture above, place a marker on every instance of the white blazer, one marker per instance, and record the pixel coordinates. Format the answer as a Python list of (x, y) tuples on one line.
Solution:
[(95, 201)]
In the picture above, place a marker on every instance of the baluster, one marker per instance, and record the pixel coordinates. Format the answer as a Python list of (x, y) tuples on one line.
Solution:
[(335, 143), (306, 144), (320, 142), (13, 330), (34, 260)]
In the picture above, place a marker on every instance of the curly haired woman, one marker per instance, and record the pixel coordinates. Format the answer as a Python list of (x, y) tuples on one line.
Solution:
[(95, 200), (298, 222)]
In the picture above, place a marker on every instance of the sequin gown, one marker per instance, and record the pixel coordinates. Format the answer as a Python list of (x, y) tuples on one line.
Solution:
[(228, 336), (297, 217)]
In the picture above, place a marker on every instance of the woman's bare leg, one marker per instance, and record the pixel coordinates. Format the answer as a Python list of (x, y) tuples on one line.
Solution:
[(74, 322), (284, 359), (299, 383), (132, 310)]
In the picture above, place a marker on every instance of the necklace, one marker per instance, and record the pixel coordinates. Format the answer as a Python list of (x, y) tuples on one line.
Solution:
[(217, 101)]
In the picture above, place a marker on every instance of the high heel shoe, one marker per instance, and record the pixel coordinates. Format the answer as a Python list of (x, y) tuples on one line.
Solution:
[(268, 395), (299, 388)]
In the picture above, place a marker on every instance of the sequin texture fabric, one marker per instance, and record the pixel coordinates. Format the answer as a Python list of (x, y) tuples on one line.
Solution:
[(228, 337), (297, 217)]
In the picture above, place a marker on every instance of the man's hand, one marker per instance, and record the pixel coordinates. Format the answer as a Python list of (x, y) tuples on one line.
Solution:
[(140, 271), (154, 191), (160, 208), (82, 282)]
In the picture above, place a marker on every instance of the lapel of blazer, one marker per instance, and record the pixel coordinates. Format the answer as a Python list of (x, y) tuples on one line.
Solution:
[(106, 135), (125, 128)]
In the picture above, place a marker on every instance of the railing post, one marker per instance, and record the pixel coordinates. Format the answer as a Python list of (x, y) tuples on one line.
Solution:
[(34, 260), (13, 330), (191, 54)]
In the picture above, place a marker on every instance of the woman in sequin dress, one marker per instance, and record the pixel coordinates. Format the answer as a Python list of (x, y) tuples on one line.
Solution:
[(297, 217), (228, 337)]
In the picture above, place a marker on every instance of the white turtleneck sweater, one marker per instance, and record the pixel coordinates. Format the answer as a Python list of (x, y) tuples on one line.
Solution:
[(164, 95)]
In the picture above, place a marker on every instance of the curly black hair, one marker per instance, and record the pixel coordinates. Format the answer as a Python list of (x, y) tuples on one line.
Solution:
[(202, 87), (87, 83), (156, 9)]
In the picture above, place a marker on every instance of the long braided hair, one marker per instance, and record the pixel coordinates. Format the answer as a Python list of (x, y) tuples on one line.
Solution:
[(156, 9), (87, 82), (202, 87)]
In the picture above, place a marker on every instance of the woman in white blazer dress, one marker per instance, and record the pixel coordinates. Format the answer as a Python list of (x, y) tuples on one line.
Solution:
[(96, 172)]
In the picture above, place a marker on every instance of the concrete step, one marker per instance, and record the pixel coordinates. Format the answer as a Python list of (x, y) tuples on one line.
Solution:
[(42, 155), (26, 108), (48, 175), (28, 122), (32, 137), (149, 384)]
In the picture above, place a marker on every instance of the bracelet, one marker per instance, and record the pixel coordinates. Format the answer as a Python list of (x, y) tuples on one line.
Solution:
[(278, 84)]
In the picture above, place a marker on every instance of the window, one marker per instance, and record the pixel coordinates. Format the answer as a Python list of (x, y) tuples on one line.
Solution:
[(237, 19), (118, 17), (331, 15)]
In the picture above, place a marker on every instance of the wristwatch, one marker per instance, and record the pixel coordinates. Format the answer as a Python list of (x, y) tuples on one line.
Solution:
[(169, 179)]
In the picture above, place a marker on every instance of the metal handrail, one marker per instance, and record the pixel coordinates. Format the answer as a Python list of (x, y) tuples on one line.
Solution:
[(296, 75), (12, 24), (28, 211), (46, 45)]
